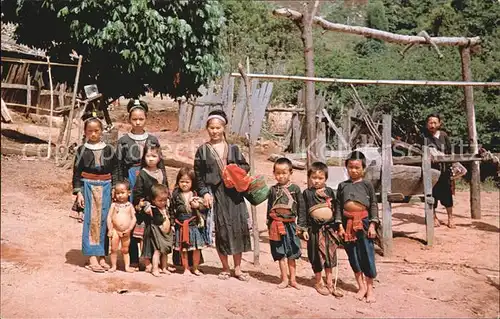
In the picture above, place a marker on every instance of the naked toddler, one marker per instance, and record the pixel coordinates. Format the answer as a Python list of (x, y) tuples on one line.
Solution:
[(121, 220)]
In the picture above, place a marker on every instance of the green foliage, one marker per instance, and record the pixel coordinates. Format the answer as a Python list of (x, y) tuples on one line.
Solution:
[(376, 17), (171, 45), (272, 45), (342, 56)]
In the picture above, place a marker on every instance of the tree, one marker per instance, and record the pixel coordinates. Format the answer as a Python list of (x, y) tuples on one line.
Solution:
[(410, 105), (171, 45)]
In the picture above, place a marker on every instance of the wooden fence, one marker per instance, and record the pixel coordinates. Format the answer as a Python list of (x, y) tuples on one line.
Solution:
[(193, 113)]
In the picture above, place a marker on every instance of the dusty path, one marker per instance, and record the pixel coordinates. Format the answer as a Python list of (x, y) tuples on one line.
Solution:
[(42, 273)]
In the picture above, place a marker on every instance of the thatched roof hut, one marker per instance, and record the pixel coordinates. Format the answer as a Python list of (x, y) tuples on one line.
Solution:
[(10, 45)]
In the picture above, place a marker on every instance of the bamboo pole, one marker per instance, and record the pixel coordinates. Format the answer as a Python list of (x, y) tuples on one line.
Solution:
[(378, 34), (255, 226), (368, 82), (6, 59), (475, 183)]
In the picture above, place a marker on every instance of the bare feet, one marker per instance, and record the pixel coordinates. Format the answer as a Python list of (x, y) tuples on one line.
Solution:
[(197, 272), (155, 273), (148, 268), (337, 293), (283, 284), (128, 269), (165, 271), (171, 269), (187, 272), (451, 224), (242, 276), (103, 264), (294, 284), (370, 296), (112, 269), (361, 293), (321, 289), (437, 222)]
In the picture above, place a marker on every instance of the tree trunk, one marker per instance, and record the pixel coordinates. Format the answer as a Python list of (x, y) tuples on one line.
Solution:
[(378, 34), (310, 105)]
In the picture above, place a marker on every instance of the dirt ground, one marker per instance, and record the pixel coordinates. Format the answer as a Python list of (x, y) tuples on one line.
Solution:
[(42, 272)]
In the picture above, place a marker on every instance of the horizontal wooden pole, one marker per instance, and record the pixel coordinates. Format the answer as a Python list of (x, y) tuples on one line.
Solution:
[(364, 82), (16, 86), (56, 93), (284, 109), (6, 59), (404, 160), (57, 111), (379, 34)]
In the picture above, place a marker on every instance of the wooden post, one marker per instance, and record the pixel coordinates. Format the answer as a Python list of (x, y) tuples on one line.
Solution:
[(73, 101), (429, 200), (475, 183), (321, 136), (5, 113), (295, 133), (28, 92), (320, 130), (386, 186), (346, 129), (305, 26), (255, 226), (51, 85)]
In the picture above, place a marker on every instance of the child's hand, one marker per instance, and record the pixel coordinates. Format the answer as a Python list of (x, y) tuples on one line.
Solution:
[(110, 233), (195, 204), (113, 197), (305, 235), (372, 233), (208, 200), (79, 200), (341, 231), (149, 211)]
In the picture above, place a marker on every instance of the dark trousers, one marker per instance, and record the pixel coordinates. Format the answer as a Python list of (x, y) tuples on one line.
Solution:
[(133, 250), (361, 253)]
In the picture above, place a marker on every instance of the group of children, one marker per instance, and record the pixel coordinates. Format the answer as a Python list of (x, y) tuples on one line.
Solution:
[(126, 201), (125, 198), (325, 220)]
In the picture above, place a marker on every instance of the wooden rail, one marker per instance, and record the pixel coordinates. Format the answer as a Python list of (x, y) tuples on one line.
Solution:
[(406, 160)]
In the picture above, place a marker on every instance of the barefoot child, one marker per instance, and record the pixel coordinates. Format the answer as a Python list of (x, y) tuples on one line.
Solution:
[(130, 148), (186, 207), (317, 227), (121, 221), (158, 233), (152, 172), (284, 203), (357, 216), (93, 175)]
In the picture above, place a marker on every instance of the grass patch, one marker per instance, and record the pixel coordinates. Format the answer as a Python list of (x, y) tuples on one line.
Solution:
[(489, 185)]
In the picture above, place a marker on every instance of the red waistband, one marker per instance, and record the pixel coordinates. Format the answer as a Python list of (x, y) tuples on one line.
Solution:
[(96, 177), (354, 224)]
